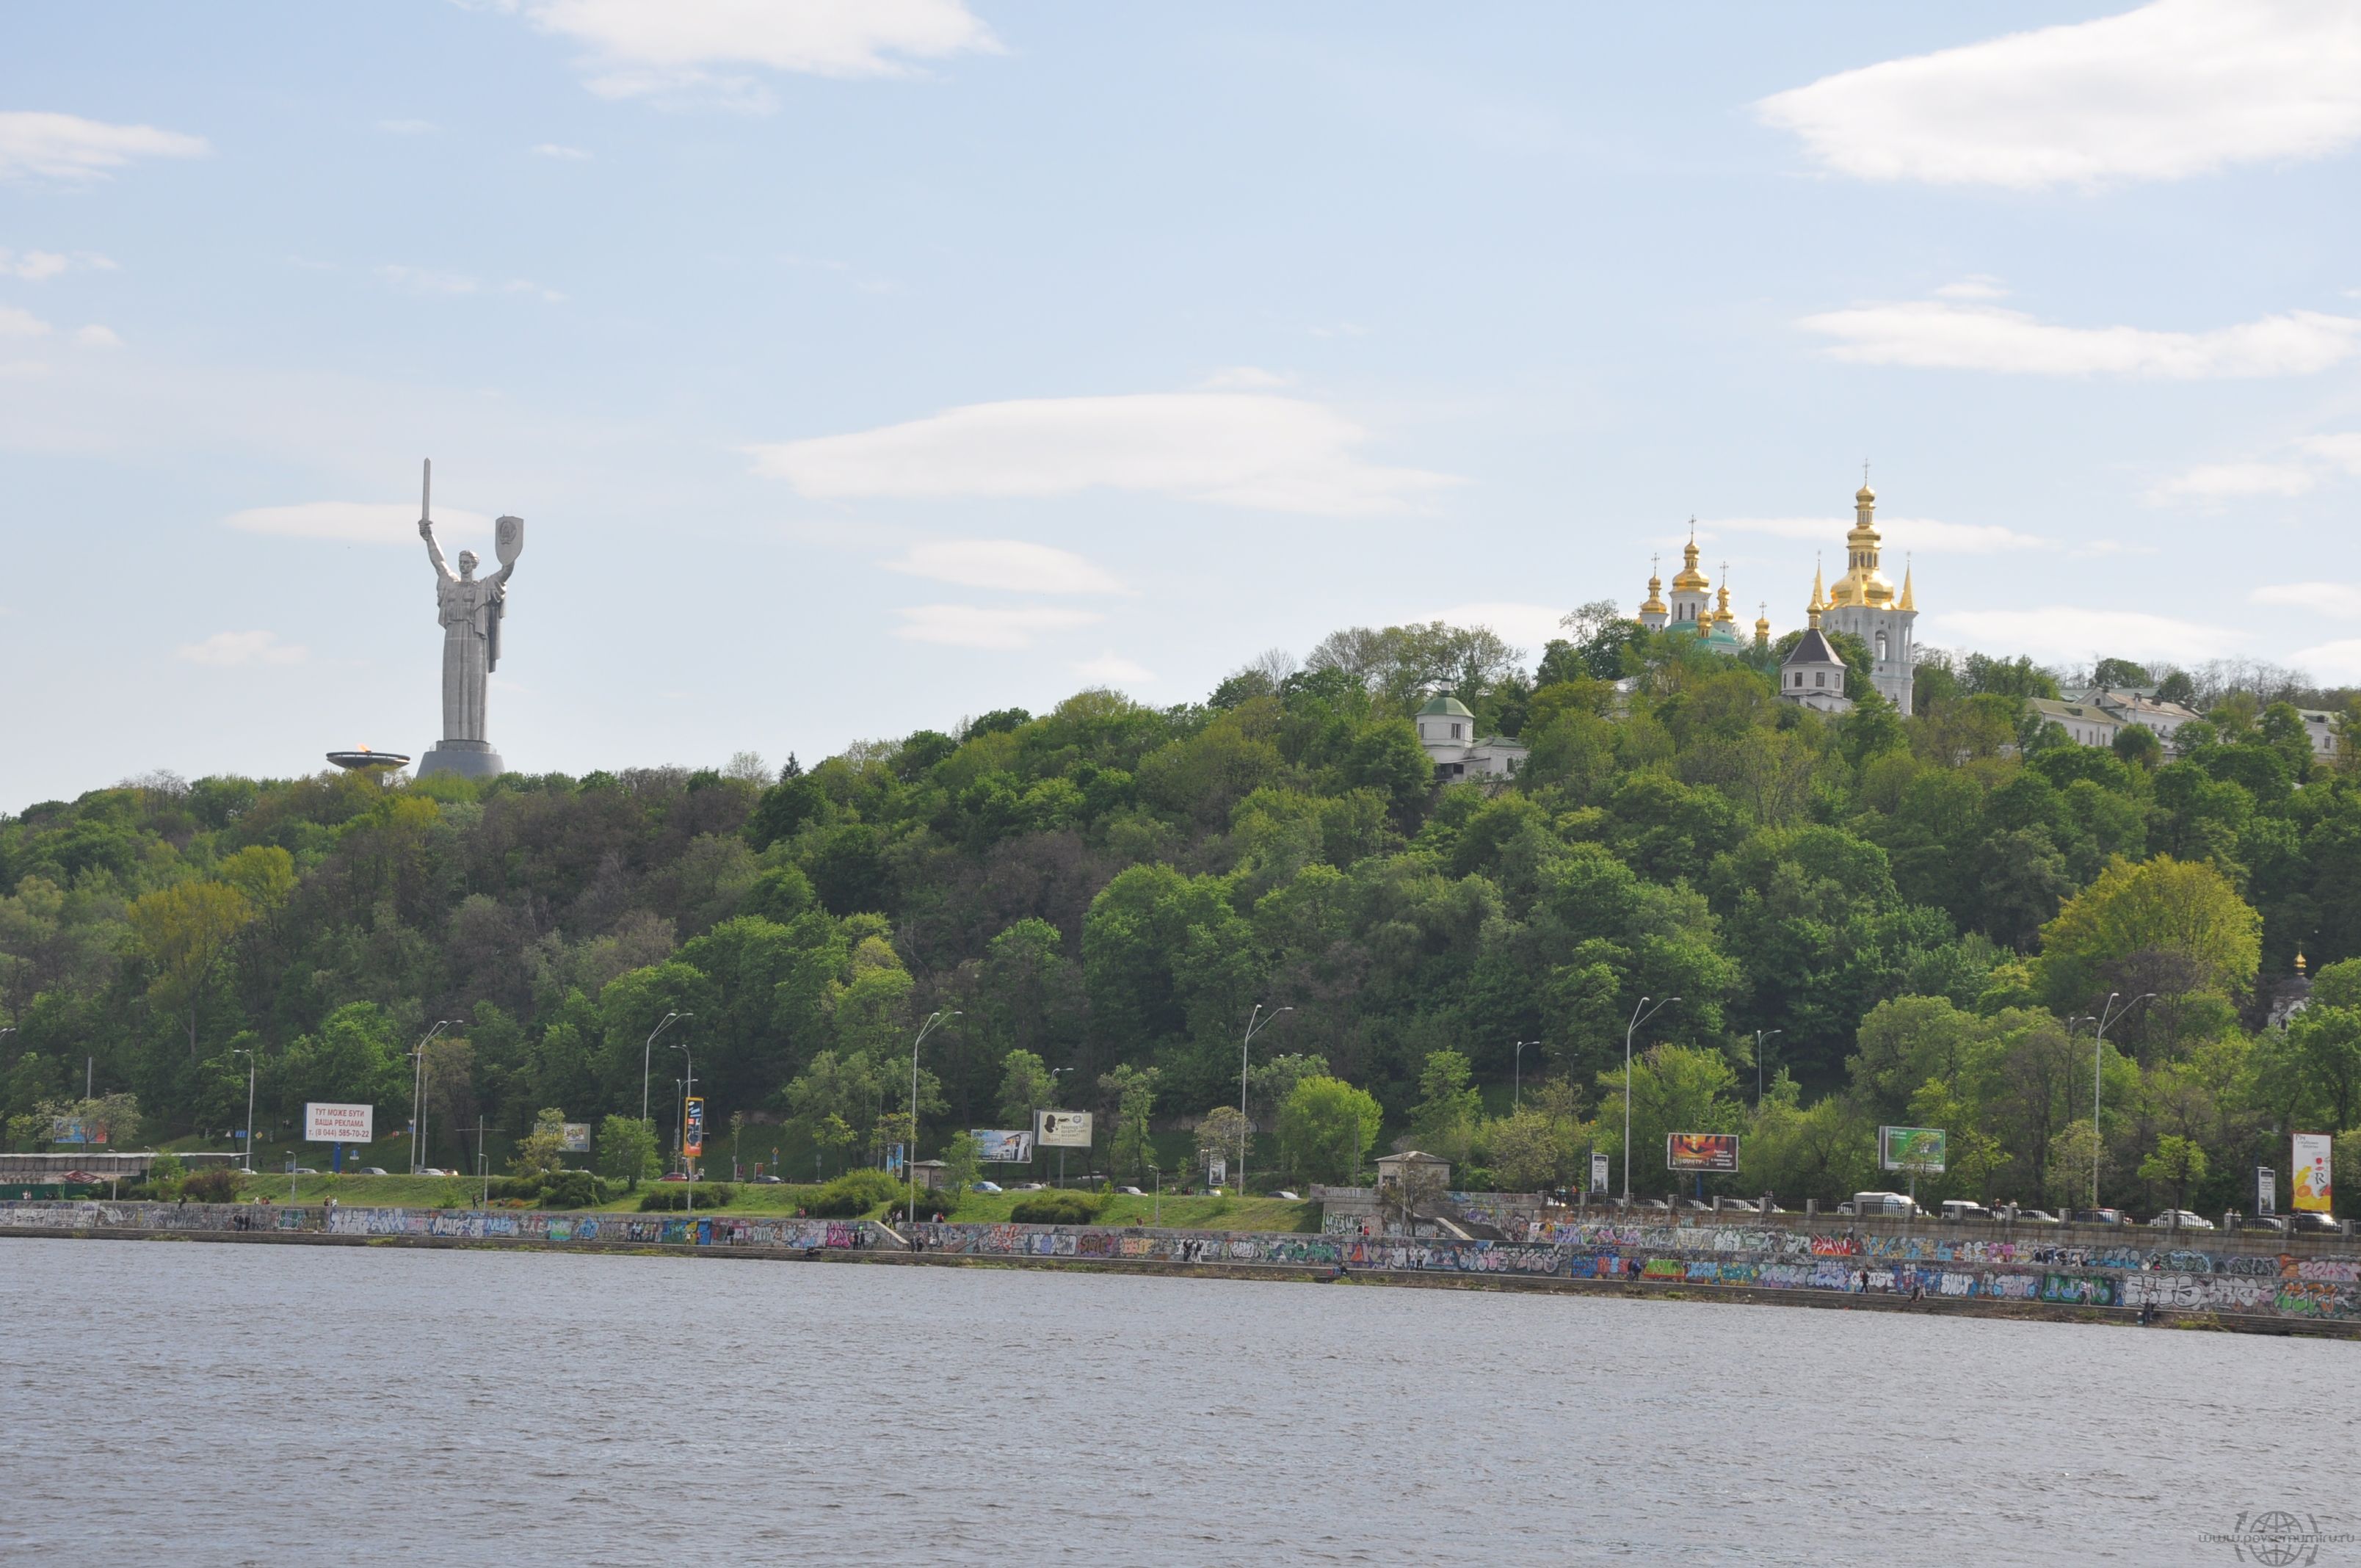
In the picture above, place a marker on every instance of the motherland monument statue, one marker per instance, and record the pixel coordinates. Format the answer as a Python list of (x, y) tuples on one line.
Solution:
[(471, 609)]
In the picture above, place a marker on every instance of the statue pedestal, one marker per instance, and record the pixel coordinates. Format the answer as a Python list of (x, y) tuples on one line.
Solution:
[(470, 759)]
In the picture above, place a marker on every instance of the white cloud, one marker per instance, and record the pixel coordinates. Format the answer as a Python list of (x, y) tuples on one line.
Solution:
[(227, 649), (96, 336), (14, 323), (2174, 89), (2218, 481), (1238, 449), (426, 279), (1113, 670), (974, 626), (1527, 625), (356, 522), (688, 48), (1244, 378), (1982, 286), (2067, 632), (33, 266), (407, 128), (2340, 599), (1899, 532), (68, 147), (2343, 450), (1936, 334), (2338, 660), (1006, 564), (555, 149)]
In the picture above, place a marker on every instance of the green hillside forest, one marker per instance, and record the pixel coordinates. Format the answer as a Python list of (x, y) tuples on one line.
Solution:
[(1916, 918)]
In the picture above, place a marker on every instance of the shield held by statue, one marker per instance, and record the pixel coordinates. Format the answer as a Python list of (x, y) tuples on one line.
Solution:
[(508, 538)]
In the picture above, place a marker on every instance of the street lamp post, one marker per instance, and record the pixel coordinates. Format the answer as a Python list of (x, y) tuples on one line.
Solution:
[(661, 1023), (417, 1099), (910, 1149), (1253, 1028), (1061, 1148), (688, 1188), (1761, 1035), (1638, 1018), (2108, 1013), (1517, 1097), (248, 1054)]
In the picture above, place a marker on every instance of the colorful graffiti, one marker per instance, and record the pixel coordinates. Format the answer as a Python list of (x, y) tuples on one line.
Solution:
[(1955, 1267)]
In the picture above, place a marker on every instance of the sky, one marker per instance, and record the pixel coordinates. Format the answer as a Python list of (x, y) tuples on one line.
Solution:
[(859, 365)]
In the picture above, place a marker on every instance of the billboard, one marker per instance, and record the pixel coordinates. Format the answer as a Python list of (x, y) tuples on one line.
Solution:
[(326, 1121), (2310, 1187), (1217, 1171), (1697, 1151), (1002, 1149), (77, 1130), (574, 1136), (1062, 1129), (1921, 1150), (692, 1127), (2266, 1191), (1598, 1171)]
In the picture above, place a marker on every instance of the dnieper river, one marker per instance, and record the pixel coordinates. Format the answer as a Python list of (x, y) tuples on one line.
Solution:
[(198, 1404)]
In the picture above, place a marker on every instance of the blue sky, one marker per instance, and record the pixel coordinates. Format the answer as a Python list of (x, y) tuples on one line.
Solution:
[(858, 366)]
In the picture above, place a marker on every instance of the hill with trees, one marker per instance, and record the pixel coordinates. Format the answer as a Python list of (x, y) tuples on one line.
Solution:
[(1915, 916)]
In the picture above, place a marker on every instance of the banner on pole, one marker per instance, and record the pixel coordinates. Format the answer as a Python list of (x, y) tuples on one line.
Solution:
[(327, 1123), (1598, 1171), (2266, 1191), (1700, 1151), (2310, 1187), (692, 1136), (1002, 1148)]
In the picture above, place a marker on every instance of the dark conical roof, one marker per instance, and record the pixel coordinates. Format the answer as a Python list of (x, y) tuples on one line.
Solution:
[(1812, 648)]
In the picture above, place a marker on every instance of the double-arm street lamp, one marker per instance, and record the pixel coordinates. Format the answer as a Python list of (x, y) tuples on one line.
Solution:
[(910, 1149), (417, 1100), (1517, 1099), (1761, 1035), (1638, 1018), (662, 1025), (1255, 1023)]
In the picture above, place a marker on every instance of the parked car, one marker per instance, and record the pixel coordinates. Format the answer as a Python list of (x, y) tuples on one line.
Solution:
[(2182, 1219), (1697, 1206), (767, 1179), (986, 1186), (1961, 1209), (303, 1170), (2265, 1223), (1031, 1187), (2312, 1222), (1896, 1205), (1658, 1204), (2100, 1217), (672, 1176), (370, 1170), (1290, 1196), (1131, 1192), (2033, 1216), (1740, 1206)]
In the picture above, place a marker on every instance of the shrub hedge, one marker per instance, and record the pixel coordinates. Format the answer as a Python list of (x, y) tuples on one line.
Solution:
[(666, 1197), (855, 1193)]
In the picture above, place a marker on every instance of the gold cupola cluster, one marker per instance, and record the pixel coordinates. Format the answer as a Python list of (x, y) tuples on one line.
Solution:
[(1862, 583)]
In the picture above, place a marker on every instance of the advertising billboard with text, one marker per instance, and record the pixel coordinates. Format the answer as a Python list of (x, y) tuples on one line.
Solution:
[(1922, 1149), (1700, 1151), (1062, 1129), (1002, 1149), (692, 1135), (574, 1137), (326, 1121)]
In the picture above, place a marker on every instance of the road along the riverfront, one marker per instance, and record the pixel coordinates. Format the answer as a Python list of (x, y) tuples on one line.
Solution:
[(2128, 1278)]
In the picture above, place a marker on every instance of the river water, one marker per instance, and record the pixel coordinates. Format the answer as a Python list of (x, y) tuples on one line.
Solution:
[(258, 1404)]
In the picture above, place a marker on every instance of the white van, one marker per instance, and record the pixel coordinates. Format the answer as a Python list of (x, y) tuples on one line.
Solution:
[(1890, 1205), (1961, 1209)]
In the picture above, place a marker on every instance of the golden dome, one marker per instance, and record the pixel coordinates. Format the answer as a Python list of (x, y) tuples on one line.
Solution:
[(1762, 623), (1864, 497), (1653, 604), (1688, 578)]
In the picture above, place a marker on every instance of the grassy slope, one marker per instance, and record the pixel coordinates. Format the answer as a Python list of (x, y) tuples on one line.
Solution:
[(1192, 1213)]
